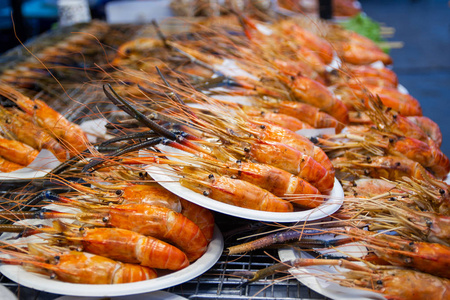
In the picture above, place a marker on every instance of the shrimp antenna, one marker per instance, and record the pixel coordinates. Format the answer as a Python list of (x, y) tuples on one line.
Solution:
[(99, 160), (177, 97), (129, 109), (160, 34)]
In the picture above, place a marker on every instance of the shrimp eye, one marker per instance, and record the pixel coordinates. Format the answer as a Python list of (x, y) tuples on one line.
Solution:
[(81, 229), (411, 243), (57, 258), (429, 223), (35, 106), (262, 126), (379, 281), (119, 192), (354, 184), (369, 159), (233, 177), (246, 149), (392, 199), (366, 172), (334, 72), (397, 164), (53, 276), (211, 176), (206, 193), (394, 116), (391, 140), (105, 219), (314, 140), (8, 121), (441, 191), (388, 109), (239, 161)]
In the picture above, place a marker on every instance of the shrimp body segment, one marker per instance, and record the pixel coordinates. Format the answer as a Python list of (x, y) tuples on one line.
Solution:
[(276, 181), (68, 133), (79, 267), (431, 258), (279, 119), (428, 155), (316, 94), (94, 269), (389, 167), (131, 247), (201, 216), (161, 223), (404, 284), (279, 134), (293, 161), (7, 166), (429, 127), (309, 114), (24, 130), (152, 194), (17, 152), (363, 72), (307, 39), (239, 193), (359, 50)]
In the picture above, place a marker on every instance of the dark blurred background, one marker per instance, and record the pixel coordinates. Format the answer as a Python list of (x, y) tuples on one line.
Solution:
[(422, 64), (32, 17)]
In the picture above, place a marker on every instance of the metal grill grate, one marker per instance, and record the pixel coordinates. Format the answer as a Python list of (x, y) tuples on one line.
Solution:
[(219, 283)]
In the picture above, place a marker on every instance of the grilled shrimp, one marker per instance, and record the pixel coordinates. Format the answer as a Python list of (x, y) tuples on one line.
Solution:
[(293, 161), (428, 126), (122, 245), (17, 152), (24, 130), (78, 267), (69, 134), (235, 192), (312, 92), (389, 167)]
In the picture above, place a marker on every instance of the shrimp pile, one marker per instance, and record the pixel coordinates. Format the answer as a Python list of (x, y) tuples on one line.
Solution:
[(131, 231), (222, 108), (32, 126)]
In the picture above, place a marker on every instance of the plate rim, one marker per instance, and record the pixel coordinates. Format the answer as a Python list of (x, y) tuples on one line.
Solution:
[(164, 178), (319, 285)]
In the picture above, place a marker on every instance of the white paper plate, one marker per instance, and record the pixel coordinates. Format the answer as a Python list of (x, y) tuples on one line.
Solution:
[(43, 283), (168, 180), (313, 276), (6, 294), (159, 295)]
